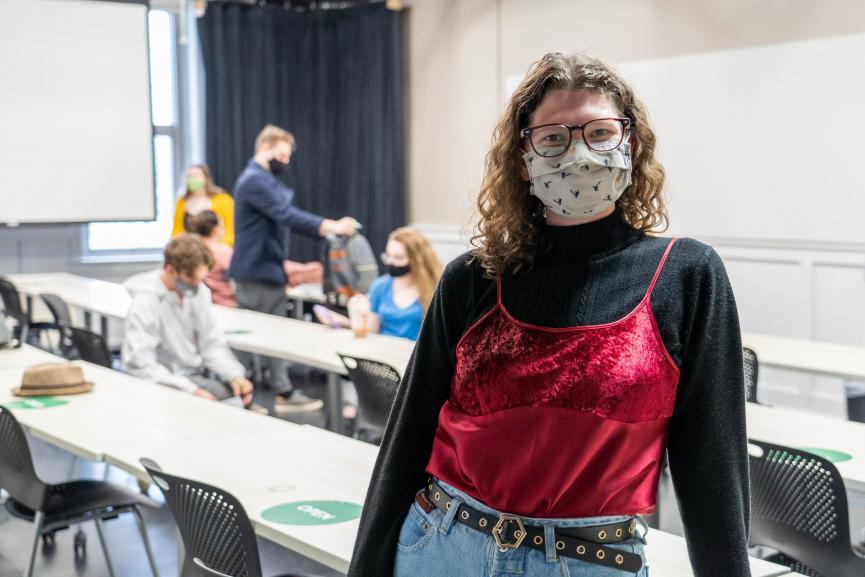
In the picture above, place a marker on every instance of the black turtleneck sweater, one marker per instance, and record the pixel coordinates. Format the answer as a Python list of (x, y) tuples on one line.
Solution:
[(593, 273)]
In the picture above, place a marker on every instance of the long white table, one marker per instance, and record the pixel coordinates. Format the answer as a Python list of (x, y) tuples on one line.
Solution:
[(262, 461), (822, 358), (802, 429), (248, 331)]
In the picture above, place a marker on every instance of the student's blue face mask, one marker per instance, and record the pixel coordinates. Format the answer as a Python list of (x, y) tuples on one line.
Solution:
[(186, 289)]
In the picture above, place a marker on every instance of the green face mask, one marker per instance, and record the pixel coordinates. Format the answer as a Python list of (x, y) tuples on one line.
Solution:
[(194, 184)]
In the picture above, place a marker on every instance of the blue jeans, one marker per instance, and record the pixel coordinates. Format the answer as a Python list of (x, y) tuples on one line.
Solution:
[(435, 544)]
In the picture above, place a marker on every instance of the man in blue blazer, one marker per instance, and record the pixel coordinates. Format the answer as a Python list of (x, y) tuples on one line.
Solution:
[(264, 216)]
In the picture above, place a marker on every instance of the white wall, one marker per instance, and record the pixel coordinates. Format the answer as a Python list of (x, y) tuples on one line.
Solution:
[(461, 54)]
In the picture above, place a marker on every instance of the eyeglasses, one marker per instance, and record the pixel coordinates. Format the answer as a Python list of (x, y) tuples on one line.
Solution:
[(600, 135), (389, 260)]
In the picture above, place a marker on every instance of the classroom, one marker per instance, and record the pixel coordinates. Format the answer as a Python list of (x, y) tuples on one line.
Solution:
[(422, 288)]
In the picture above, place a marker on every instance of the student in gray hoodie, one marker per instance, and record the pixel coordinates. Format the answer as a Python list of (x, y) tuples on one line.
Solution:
[(171, 335)]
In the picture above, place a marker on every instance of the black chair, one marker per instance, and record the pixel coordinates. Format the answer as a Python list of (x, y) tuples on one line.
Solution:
[(376, 385), (25, 330), (751, 366), (91, 347), (60, 312), (856, 408), (216, 532), (56, 507), (799, 508)]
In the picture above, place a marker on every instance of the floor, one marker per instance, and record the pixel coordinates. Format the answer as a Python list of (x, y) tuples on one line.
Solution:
[(124, 542)]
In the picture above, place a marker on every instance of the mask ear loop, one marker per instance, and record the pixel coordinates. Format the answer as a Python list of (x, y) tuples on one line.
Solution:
[(632, 137)]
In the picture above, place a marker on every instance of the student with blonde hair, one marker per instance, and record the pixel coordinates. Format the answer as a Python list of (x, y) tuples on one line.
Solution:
[(399, 299)]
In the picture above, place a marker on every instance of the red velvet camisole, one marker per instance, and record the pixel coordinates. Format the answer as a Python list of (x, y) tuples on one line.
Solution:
[(558, 422)]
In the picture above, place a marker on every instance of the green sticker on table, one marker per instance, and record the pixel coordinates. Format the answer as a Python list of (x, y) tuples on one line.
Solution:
[(831, 455), (312, 513), (35, 403)]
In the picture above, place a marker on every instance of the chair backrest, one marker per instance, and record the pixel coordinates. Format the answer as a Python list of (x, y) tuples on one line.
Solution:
[(213, 524), (57, 307), (63, 320), (91, 346), (751, 366), (799, 507), (376, 385), (11, 300), (17, 474)]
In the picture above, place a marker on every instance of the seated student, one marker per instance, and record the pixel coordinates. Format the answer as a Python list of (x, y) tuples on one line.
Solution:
[(208, 226), (171, 335), (303, 272), (399, 299), (201, 194)]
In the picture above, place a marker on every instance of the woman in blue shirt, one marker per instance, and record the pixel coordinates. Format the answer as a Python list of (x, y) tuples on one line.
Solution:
[(399, 299)]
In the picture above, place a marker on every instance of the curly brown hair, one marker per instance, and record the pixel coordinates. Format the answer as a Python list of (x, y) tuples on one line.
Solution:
[(509, 228)]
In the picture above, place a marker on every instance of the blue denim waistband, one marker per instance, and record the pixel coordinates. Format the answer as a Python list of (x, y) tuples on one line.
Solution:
[(538, 521)]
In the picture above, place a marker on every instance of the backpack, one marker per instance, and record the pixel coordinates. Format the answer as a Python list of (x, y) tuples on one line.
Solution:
[(349, 267)]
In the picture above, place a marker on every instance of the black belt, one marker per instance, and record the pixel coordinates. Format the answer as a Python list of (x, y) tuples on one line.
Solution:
[(509, 532)]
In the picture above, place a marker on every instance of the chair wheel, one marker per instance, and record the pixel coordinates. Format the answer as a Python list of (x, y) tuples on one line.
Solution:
[(48, 540), (80, 544)]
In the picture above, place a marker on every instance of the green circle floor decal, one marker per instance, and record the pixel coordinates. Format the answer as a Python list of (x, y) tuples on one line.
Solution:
[(35, 403), (312, 513), (830, 454)]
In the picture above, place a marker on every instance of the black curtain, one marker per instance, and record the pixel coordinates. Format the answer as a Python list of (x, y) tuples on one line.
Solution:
[(334, 78)]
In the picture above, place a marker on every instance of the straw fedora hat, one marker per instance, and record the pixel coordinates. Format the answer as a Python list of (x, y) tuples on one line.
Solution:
[(52, 379)]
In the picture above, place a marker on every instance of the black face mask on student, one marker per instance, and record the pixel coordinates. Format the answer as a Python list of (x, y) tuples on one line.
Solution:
[(277, 167), (397, 271)]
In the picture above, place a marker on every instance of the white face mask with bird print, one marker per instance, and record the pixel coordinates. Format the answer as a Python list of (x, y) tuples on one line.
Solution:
[(581, 182)]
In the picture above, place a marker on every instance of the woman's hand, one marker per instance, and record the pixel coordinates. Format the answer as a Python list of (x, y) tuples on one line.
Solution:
[(327, 317)]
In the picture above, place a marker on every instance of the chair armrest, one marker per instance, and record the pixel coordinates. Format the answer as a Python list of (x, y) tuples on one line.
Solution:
[(207, 569)]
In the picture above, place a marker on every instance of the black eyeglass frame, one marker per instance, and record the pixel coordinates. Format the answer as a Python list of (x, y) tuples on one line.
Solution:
[(527, 133)]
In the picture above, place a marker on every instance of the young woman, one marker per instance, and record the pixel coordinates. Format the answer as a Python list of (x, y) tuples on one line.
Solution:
[(398, 299), (561, 359), (202, 194), (209, 227)]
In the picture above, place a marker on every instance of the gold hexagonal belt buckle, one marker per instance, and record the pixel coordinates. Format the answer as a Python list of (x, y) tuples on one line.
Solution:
[(499, 532)]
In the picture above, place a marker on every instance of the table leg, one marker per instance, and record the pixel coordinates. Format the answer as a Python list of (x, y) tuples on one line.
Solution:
[(103, 327), (334, 403), (88, 319), (298, 309)]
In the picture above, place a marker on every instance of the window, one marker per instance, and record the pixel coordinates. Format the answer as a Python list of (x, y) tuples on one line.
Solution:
[(105, 238)]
